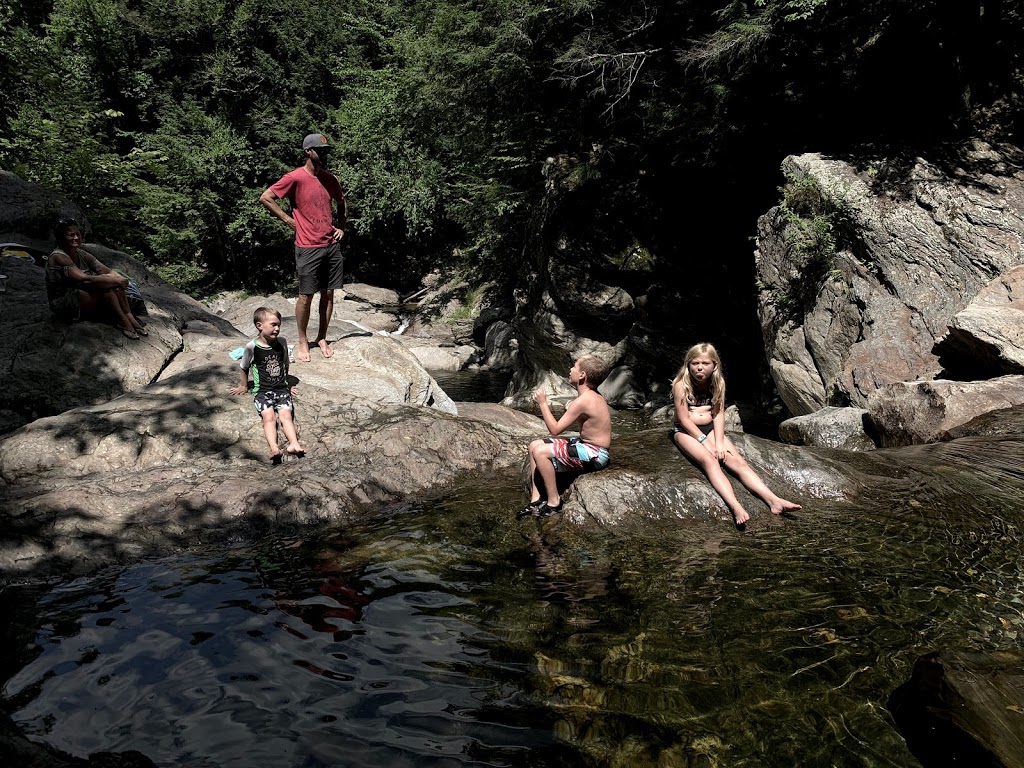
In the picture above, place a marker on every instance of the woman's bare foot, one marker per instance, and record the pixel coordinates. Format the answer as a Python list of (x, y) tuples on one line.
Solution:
[(781, 505), (325, 348)]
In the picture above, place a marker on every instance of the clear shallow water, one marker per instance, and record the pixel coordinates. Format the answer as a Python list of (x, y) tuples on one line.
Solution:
[(450, 634)]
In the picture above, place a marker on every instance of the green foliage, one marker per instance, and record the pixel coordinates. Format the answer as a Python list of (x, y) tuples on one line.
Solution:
[(166, 121), (817, 227)]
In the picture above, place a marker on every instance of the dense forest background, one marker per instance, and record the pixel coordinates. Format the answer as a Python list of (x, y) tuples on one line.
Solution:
[(164, 121)]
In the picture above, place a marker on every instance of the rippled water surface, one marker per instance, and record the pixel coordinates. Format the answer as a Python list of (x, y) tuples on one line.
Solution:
[(450, 634)]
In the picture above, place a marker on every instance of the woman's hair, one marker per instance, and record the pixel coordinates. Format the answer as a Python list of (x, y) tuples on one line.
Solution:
[(61, 228), (717, 382)]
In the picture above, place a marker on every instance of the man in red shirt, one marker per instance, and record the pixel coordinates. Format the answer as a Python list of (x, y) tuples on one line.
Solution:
[(311, 189)]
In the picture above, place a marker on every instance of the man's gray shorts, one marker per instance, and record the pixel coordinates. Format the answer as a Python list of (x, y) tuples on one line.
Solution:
[(320, 269)]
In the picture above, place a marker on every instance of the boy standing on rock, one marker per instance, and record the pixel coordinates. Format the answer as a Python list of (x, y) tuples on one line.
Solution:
[(586, 453), (268, 355)]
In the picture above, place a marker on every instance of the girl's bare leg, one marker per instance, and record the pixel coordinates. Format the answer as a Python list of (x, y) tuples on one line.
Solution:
[(713, 470), (753, 483)]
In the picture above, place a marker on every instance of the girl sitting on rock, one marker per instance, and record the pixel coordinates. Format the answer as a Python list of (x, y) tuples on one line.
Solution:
[(79, 287), (699, 432)]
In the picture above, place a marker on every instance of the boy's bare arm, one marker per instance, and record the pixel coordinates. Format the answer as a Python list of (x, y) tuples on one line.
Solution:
[(243, 386), (556, 427)]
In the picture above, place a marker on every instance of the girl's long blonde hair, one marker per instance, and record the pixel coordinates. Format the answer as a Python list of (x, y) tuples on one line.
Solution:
[(717, 382)]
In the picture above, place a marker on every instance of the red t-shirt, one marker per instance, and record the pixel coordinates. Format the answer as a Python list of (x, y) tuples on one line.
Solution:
[(310, 197)]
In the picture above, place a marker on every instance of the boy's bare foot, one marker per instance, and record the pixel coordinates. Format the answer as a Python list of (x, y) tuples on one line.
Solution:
[(275, 458), (302, 353), (781, 505), (295, 450), (325, 348)]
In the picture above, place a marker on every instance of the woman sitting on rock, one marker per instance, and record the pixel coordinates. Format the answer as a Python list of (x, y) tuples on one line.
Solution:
[(79, 287)]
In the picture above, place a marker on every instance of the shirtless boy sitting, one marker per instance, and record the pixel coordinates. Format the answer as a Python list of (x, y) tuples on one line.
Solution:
[(586, 453)]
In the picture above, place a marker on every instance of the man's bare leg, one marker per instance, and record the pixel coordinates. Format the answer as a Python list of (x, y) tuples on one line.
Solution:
[(302, 305), (326, 311)]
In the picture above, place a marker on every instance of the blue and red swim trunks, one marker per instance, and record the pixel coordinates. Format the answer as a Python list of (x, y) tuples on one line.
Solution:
[(570, 454)]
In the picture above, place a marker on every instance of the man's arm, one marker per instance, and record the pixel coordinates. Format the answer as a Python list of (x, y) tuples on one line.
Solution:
[(269, 200)]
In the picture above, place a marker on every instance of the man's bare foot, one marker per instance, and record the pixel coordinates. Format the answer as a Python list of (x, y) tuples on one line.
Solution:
[(302, 353), (325, 348), (295, 450), (781, 505)]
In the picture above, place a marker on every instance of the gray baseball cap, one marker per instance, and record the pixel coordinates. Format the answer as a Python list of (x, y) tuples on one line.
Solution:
[(314, 140)]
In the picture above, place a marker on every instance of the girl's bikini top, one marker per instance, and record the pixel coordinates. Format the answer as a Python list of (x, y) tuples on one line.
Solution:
[(697, 399)]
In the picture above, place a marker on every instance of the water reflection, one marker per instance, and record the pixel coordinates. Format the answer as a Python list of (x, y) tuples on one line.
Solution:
[(452, 634)]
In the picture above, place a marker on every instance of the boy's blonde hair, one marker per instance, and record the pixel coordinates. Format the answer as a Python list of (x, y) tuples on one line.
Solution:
[(595, 368), (262, 312), (716, 383)]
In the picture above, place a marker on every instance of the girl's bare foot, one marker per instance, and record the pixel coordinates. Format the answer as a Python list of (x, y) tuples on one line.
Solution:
[(275, 458), (781, 505), (741, 517), (295, 450)]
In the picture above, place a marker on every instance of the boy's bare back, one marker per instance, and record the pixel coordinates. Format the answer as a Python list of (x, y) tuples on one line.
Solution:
[(594, 419)]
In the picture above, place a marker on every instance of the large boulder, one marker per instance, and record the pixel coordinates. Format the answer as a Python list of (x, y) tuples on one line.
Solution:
[(987, 338), (28, 212), (862, 270), (148, 471), (51, 366), (350, 318), (649, 479), (829, 428), (910, 413)]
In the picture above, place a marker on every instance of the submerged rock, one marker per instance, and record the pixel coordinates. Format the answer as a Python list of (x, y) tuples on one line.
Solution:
[(964, 708)]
